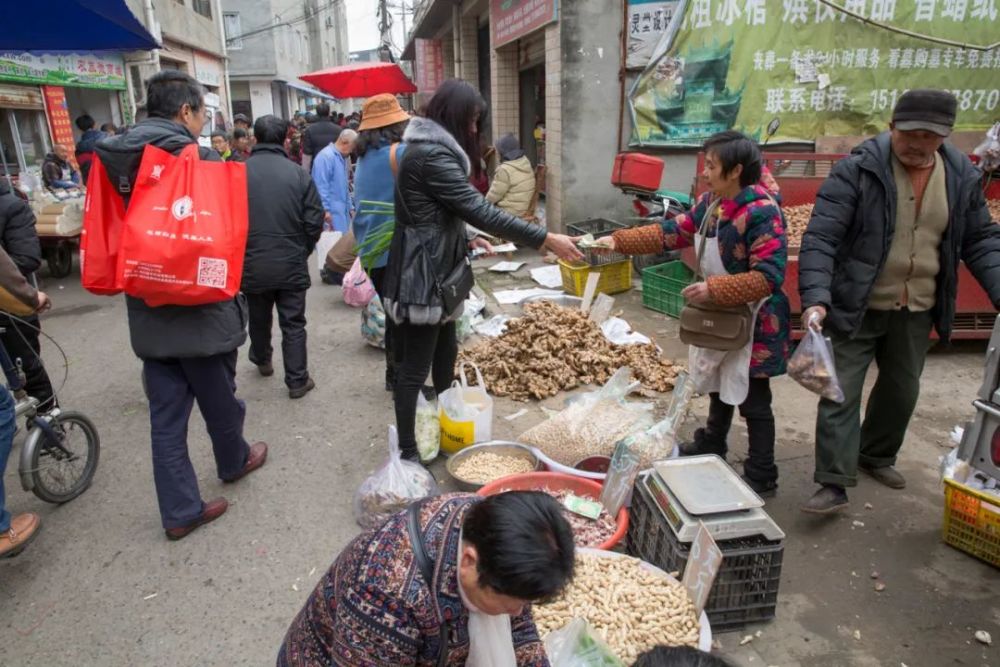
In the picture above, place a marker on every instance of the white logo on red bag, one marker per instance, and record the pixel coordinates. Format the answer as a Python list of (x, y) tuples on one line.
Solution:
[(157, 171), (182, 208)]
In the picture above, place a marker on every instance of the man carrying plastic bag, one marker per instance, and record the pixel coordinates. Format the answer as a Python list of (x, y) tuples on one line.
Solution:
[(188, 352)]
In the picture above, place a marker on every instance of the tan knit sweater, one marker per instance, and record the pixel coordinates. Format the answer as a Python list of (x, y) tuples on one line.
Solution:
[(909, 277)]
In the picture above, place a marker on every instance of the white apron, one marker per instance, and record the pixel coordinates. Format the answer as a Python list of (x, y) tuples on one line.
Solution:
[(727, 373)]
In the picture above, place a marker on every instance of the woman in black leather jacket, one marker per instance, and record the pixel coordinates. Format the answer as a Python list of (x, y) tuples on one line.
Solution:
[(434, 200)]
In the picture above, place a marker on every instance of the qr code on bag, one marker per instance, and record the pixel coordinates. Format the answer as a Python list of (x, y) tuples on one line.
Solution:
[(212, 272)]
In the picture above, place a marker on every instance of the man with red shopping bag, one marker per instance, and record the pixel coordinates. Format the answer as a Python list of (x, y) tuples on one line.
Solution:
[(188, 352)]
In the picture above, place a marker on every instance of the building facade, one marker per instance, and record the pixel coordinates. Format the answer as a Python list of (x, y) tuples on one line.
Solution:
[(270, 43), (549, 70)]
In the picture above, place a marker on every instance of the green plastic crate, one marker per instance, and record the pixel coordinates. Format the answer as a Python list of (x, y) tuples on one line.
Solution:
[(662, 286)]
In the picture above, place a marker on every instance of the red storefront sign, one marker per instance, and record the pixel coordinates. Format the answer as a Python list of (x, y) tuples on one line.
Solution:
[(57, 113), (513, 19), (429, 65)]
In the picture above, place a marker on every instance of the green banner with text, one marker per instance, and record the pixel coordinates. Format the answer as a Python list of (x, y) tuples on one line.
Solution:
[(740, 63)]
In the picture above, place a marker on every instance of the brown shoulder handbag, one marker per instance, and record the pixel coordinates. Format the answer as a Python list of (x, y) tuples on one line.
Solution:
[(710, 326)]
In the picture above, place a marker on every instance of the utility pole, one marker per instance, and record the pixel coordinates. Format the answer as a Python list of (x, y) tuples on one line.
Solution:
[(385, 51)]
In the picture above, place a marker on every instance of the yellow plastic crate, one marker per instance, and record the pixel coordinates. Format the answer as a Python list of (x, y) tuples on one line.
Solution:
[(615, 276), (972, 521)]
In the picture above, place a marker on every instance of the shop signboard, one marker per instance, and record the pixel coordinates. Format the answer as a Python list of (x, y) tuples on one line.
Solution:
[(81, 70), (57, 113), (647, 23), (430, 64), (740, 63), (511, 20), (208, 70)]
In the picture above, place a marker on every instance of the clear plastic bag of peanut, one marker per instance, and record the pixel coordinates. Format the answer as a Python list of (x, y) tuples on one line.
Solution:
[(812, 366)]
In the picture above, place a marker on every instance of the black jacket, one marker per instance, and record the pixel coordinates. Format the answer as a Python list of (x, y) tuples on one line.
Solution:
[(319, 135), (433, 198), (286, 219), (18, 235), (848, 238), (168, 332)]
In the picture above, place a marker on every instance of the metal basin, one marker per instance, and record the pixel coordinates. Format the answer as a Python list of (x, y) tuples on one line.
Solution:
[(501, 447), (564, 300)]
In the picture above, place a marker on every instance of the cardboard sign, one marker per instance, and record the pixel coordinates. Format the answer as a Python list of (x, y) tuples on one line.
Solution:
[(702, 567)]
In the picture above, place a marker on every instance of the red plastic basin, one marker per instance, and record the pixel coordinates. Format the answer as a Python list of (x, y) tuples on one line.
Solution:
[(536, 481)]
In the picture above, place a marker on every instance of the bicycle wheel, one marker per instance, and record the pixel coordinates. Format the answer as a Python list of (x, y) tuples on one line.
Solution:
[(62, 471)]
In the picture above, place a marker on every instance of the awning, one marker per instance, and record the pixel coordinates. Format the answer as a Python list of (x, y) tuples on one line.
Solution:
[(312, 91), (72, 25)]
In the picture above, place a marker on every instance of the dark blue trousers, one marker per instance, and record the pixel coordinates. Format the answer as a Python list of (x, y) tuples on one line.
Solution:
[(172, 386)]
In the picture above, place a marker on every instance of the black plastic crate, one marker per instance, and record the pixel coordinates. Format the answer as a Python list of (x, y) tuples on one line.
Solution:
[(746, 588), (599, 227)]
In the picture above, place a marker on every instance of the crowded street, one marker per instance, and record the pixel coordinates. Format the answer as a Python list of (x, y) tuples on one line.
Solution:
[(499, 333), (101, 587)]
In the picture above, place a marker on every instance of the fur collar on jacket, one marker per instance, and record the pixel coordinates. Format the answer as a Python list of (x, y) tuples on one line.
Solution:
[(424, 130)]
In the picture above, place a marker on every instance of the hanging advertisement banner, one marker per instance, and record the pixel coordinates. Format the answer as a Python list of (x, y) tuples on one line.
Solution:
[(429, 64), (648, 21), (740, 63), (57, 113)]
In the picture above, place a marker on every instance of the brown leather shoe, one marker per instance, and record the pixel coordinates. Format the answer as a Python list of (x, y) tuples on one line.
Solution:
[(267, 370), (258, 454), (23, 529), (213, 510)]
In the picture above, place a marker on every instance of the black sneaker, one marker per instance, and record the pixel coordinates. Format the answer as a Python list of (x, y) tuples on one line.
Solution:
[(331, 277), (762, 489)]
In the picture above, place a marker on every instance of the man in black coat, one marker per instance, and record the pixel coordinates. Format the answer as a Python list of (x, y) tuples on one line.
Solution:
[(878, 268), (19, 239), (188, 352), (286, 219), (319, 134)]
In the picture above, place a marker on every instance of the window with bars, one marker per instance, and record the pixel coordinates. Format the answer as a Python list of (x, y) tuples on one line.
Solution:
[(203, 7), (231, 25)]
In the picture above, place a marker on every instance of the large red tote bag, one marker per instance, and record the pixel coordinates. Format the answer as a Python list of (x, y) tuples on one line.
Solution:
[(103, 220)]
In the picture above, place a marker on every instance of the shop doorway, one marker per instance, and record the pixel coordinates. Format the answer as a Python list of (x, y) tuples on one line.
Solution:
[(532, 112)]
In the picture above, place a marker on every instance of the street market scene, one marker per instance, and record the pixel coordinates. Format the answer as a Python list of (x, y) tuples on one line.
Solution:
[(638, 333)]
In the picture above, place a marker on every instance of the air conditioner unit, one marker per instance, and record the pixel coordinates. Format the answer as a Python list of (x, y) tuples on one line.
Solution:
[(329, 21)]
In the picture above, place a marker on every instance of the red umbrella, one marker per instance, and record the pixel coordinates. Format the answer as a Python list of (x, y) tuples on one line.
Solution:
[(361, 80)]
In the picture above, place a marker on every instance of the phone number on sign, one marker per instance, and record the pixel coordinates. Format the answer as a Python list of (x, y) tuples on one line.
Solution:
[(968, 100)]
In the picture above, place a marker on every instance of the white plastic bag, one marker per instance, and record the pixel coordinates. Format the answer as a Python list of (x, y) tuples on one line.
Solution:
[(466, 413), (593, 423), (373, 323), (427, 428), (491, 643), (327, 240), (391, 488), (989, 151), (358, 288), (578, 645), (813, 367)]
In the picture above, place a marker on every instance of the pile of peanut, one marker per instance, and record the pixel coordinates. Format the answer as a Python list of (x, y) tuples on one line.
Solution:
[(484, 467), (994, 206), (631, 607), (796, 221)]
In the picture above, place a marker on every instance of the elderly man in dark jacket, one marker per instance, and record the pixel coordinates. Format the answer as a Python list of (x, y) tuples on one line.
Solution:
[(286, 219), (878, 267), (19, 239), (188, 352)]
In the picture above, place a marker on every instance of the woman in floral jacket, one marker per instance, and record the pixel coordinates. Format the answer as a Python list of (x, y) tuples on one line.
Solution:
[(746, 244), (489, 557)]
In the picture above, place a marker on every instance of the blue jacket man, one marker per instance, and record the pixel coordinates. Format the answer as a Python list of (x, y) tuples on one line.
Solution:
[(330, 172)]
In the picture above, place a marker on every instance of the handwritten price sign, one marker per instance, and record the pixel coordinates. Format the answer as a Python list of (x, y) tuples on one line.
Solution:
[(702, 567)]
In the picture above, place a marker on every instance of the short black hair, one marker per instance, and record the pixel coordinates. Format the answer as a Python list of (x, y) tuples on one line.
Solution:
[(109, 127), (734, 148), (219, 133), (240, 133), (380, 136), (524, 543), (323, 110), (84, 122), (678, 656), (169, 90), (270, 130)]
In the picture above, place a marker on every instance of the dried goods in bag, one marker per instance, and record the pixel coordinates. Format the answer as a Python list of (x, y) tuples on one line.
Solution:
[(392, 487), (813, 367)]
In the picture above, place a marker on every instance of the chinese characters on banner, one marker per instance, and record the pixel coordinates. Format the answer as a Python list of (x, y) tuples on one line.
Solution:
[(739, 63), (429, 65), (80, 70), (57, 114), (511, 20), (647, 23)]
